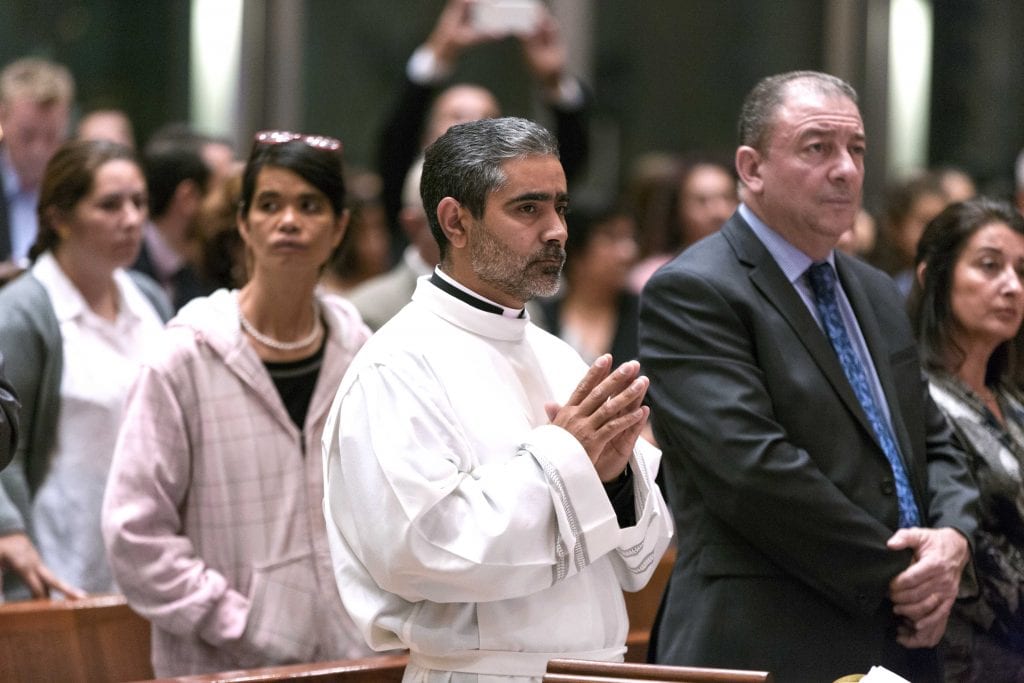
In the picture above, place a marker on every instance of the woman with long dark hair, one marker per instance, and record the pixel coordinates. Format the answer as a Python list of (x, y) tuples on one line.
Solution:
[(967, 305), (213, 517)]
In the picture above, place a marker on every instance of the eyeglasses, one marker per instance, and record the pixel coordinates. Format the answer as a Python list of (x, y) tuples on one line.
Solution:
[(279, 137)]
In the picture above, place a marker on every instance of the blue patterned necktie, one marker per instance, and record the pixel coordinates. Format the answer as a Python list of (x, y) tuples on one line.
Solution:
[(823, 283)]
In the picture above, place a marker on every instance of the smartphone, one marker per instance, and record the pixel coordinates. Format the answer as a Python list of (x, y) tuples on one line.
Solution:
[(506, 16)]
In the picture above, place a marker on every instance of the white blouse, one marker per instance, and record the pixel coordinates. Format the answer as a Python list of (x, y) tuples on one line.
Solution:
[(101, 358)]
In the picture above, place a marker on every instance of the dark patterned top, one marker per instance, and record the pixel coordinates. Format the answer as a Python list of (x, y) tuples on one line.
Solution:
[(996, 457)]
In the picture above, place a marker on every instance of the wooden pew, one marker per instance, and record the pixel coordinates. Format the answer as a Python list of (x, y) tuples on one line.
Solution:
[(92, 640), (386, 669), (580, 671), (100, 639), (642, 606)]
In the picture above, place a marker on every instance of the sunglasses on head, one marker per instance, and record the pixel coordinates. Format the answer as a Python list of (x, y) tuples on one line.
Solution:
[(279, 137)]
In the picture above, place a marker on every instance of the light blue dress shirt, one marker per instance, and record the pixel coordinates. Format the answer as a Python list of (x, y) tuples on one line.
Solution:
[(21, 211)]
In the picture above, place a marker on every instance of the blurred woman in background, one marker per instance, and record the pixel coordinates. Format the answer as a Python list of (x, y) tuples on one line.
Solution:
[(967, 306), (705, 197), (595, 312), (909, 205), (366, 250), (73, 329), (221, 251), (213, 516)]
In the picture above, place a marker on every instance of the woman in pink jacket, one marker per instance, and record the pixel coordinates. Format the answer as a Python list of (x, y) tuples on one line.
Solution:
[(212, 516)]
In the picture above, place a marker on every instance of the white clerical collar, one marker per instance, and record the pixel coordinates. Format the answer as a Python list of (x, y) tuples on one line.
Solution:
[(461, 292)]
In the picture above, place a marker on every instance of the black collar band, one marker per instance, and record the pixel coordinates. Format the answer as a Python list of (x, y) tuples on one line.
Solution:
[(465, 296)]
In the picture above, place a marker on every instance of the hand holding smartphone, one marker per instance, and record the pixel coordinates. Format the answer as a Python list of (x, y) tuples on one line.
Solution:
[(505, 17)]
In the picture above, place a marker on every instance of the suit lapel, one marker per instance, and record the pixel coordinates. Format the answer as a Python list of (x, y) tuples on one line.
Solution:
[(769, 279)]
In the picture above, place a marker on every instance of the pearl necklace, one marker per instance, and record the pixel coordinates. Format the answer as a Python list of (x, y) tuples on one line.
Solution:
[(276, 343)]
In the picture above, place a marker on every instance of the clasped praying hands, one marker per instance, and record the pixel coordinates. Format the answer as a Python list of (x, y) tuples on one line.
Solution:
[(606, 414)]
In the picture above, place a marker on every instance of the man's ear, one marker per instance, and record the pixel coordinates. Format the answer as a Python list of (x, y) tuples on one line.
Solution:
[(453, 218), (748, 166), (919, 273)]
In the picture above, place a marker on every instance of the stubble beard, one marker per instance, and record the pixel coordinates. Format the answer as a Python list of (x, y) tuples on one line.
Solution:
[(521, 277)]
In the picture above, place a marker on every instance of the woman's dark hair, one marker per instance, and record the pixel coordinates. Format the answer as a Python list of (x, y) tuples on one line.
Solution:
[(665, 234), (319, 166), (901, 198), (222, 250), (69, 177), (584, 222), (930, 302)]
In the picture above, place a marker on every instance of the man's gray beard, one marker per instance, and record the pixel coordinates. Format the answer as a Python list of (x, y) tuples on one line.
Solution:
[(519, 277)]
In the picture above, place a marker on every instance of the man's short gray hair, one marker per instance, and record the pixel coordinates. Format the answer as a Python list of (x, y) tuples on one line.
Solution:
[(36, 80), (465, 164), (757, 116)]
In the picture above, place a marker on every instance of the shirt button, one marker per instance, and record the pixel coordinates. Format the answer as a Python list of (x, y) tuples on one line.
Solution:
[(888, 487)]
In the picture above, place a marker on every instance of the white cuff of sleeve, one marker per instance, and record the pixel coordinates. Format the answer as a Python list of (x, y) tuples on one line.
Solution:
[(568, 95), (423, 67)]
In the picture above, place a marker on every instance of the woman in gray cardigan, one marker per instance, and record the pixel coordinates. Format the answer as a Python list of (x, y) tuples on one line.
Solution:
[(73, 329)]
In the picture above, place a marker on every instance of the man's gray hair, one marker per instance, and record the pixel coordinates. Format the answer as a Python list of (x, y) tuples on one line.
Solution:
[(757, 116), (36, 80), (465, 164)]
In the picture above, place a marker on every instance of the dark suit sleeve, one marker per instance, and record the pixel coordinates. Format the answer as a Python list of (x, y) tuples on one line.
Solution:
[(398, 145), (716, 422), (953, 500), (572, 131)]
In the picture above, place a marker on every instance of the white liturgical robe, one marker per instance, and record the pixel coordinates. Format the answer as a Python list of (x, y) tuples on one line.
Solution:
[(463, 525)]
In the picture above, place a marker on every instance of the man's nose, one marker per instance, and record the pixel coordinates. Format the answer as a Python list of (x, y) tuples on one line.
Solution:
[(556, 228)]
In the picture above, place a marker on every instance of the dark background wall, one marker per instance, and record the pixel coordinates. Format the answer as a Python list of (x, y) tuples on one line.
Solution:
[(977, 116), (667, 74)]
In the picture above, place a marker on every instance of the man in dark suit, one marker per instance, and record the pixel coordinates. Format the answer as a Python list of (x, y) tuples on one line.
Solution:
[(35, 103), (181, 167), (823, 512)]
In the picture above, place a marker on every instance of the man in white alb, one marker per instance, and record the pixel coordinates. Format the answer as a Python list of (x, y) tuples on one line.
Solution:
[(487, 496)]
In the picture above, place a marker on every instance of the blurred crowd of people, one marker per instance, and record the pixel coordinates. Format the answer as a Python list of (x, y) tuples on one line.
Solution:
[(209, 487)]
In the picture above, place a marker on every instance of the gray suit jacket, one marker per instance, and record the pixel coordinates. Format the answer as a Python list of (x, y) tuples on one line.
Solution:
[(379, 298), (783, 498)]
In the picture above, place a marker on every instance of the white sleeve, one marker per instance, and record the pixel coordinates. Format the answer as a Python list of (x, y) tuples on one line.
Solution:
[(643, 544), (425, 528)]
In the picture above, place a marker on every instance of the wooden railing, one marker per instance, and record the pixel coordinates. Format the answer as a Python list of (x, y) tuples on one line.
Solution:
[(579, 671), (100, 639), (92, 640), (386, 669)]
